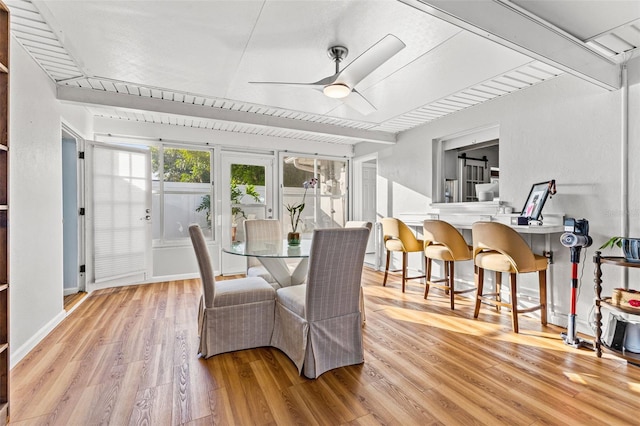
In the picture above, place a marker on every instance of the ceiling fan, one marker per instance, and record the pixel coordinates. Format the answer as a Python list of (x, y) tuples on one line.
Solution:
[(341, 85)]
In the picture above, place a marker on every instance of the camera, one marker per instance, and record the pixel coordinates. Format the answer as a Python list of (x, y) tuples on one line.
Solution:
[(576, 233)]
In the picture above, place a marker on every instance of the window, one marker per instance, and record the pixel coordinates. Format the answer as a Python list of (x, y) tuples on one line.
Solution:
[(326, 204), (462, 161), (182, 192), (248, 196)]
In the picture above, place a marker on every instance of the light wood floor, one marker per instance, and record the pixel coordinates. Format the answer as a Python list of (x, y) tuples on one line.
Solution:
[(128, 356), (73, 299)]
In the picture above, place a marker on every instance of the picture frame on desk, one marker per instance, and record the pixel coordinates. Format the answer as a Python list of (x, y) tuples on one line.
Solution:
[(538, 195)]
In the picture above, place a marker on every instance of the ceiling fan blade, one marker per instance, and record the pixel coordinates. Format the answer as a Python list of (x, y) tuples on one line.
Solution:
[(371, 59), (359, 103), (316, 85)]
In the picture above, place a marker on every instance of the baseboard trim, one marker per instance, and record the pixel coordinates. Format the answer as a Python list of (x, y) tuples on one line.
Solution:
[(163, 278), (17, 355), (69, 291)]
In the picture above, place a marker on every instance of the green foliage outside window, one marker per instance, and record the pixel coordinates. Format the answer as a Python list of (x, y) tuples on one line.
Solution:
[(249, 176), (185, 165)]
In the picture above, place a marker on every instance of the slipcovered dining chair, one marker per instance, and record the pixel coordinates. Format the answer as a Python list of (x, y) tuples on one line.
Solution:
[(233, 314), (500, 248), (398, 237), (368, 225), (318, 324), (256, 231), (444, 242)]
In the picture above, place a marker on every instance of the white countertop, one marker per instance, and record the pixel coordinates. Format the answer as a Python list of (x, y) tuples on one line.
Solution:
[(463, 218)]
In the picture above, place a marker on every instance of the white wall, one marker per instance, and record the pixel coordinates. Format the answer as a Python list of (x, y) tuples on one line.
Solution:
[(35, 204), (634, 147), (565, 129)]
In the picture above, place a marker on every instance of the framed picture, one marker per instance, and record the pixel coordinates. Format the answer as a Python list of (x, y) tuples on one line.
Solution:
[(535, 201)]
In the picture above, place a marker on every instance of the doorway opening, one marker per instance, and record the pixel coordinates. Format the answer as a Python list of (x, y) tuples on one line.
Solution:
[(73, 220)]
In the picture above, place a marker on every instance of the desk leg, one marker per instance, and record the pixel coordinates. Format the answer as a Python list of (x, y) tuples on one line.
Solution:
[(278, 269)]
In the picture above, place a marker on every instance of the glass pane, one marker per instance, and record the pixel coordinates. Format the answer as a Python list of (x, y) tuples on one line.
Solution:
[(186, 194), (333, 191), (325, 206), (119, 208), (180, 211), (183, 165), (248, 194)]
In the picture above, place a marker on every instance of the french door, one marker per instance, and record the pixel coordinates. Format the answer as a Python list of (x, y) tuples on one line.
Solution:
[(246, 193), (119, 214)]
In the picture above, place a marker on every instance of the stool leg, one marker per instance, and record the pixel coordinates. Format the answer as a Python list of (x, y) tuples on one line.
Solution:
[(445, 272), (452, 292), (542, 281), (427, 276), (498, 278), (514, 301), (479, 276), (386, 269), (404, 269)]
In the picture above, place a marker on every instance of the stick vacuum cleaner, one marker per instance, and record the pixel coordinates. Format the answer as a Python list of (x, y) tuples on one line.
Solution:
[(575, 236)]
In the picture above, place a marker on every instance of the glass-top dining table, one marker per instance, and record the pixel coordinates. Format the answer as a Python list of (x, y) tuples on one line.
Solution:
[(273, 255)]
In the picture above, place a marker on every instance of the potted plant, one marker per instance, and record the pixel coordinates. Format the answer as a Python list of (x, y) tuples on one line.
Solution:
[(293, 237), (630, 247), (236, 201), (236, 198)]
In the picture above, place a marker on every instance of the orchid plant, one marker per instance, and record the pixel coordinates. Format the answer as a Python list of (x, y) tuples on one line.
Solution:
[(296, 209)]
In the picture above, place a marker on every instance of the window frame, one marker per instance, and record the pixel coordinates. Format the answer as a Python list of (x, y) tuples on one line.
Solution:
[(284, 218), (162, 192)]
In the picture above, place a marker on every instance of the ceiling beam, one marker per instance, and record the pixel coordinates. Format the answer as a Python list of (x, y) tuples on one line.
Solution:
[(134, 102), (513, 27)]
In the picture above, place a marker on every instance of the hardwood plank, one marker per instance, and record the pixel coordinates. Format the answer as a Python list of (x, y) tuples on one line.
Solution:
[(153, 406), (128, 356)]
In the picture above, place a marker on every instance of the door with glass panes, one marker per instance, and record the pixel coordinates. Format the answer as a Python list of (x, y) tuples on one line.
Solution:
[(246, 191), (326, 204)]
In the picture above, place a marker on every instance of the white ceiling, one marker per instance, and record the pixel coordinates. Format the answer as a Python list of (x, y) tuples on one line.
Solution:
[(189, 63)]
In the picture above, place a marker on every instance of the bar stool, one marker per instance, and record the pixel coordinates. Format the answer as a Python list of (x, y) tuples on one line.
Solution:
[(499, 248), (444, 242), (398, 237)]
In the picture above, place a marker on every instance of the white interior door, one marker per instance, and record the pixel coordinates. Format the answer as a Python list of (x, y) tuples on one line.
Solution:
[(246, 193), (369, 178), (365, 202), (119, 214)]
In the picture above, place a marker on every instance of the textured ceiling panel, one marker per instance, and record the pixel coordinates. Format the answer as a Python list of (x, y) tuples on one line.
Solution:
[(51, 50), (31, 30), (617, 41), (526, 76)]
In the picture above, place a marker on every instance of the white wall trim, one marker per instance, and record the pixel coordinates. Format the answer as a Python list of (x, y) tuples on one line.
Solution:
[(176, 277), (17, 355), (69, 291)]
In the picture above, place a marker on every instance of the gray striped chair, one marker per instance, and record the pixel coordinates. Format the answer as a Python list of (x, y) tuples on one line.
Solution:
[(233, 314), (261, 230), (318, 324), (368, 225)]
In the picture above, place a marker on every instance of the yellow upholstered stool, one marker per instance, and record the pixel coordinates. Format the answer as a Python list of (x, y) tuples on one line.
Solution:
[(499, 248), (398, 237), (444, 242)]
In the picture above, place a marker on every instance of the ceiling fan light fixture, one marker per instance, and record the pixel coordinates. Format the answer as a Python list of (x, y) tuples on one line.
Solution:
[(336, 90)]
